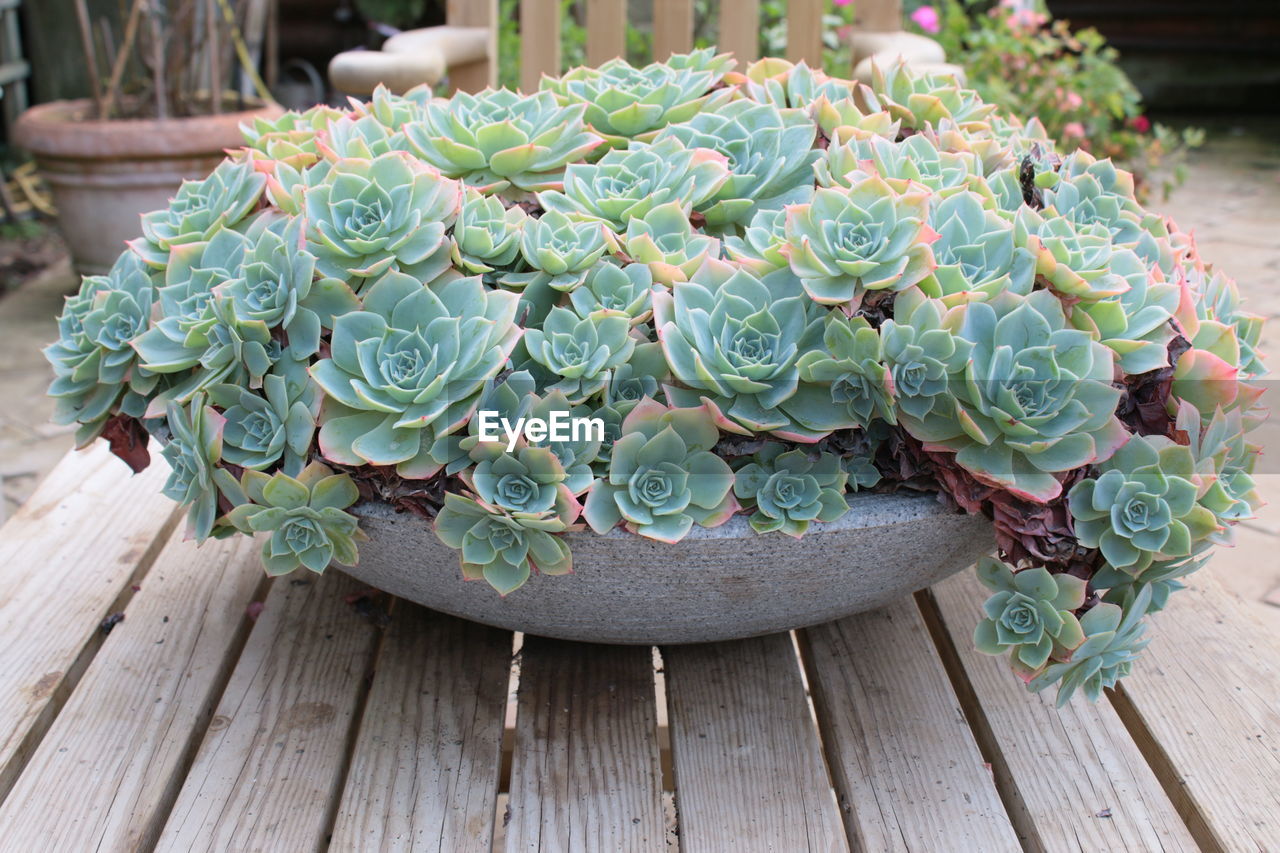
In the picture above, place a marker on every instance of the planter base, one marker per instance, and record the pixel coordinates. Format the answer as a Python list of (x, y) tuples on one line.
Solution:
[(718, 584)]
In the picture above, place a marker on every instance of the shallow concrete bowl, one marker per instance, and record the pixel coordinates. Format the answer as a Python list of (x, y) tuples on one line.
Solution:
[(719, 584)]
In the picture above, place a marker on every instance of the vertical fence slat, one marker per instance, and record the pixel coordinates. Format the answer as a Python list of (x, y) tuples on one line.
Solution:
[(539, 41), (606, 30), (475, 13), (740, 29), (672, 27), (804, 31), (878, 16)]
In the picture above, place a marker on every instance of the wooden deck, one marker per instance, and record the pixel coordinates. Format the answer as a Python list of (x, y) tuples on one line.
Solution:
[(228, 712)]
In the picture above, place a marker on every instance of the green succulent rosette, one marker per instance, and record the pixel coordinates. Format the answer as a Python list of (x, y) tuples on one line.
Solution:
[(581, 352), (1030, 616), (609, 287), (665, 241), (193, 448), (201, 209), (486, 234), (783, 84), (788, 490), (499, 548)]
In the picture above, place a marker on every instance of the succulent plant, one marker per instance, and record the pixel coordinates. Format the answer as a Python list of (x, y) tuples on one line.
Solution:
[(1135, 324), (274, 426), (1074, 259), (923, 357), (920, 99), (1030, 616), (733, 340), (769, 152), (776, 81), (628, 289), (305, 515), (663, 477), (850, 369), (851, 240), (561, 251), (365, 217), (623, 102), (1036, 398), (788, 490), (359, 136), (856, 153), (1225, 463), (498, 139), (1113, 639), (1142, 505), (581, 351), (627, 183), (761, 243), (499, 548), (528, 484), (193, 448), (290, 137), (93, 360), (666, 241), (486, 234), (200, 209), (977, 252), (410, 367), (643, 375)]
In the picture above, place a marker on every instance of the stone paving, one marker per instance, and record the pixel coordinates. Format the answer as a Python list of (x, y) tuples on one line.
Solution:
[(1231, 199)]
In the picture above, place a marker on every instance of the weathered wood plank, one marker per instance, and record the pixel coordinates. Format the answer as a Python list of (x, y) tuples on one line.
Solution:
[(424, 773), (740, 30), (113, 760), (1203, 703), (672, 27), (748, 765), (606, 30), (585, 772), (539, 41), (804, 31), (269, 772), (475, 13), (61, 546), (904, 762), (1072, 778)]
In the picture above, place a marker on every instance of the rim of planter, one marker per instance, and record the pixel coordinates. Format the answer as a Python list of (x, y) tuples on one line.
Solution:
[(720, 583), (64, 129)]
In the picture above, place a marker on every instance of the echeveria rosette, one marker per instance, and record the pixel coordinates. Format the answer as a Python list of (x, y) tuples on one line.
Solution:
[(977, 252), (1113, 639), (358, 136), (365, 217), (1030, 616), (1142, 505), (609, 287), (643, 375), (1074, 259), (1216, 371), (850, 240), (787, 490), (580, 351), (486, 234), (561, 250), (498, 548), (665, 241), (733, 341), (394, 111), (1094, 192), (1135, 325), (94, 363), (850, 371), (497, 139), (1036, 398), (769, 152), (776, 81), (305, 516), (529, 483), (200, 209), (289, 138), (193, 449), (627, 183), (623, 102), (276, 425), (410, 367), (1162, 578), (274, 285), (663, 476), (1225, 463), (917, 99), (856, 153), (760, 246)]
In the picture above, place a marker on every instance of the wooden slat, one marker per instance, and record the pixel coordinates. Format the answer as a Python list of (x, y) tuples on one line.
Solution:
[(748, 765), (113, 760), (1073, 778), (1203, 703), (905, 764), (475, 13), (606, 30), (61, 546), (539, 41), (672, 27), (804, 31), (878, 16), (424, 773), (740, 30), (269, 772), (585, 772)]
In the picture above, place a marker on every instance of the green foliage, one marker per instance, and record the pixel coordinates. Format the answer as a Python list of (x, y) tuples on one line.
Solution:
[(788, 490)]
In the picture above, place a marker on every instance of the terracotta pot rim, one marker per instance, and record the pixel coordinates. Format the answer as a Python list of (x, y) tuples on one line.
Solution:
[(56, 129)]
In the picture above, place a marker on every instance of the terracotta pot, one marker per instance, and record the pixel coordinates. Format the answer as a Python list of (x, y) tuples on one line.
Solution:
[(105, 174), (721, 583)]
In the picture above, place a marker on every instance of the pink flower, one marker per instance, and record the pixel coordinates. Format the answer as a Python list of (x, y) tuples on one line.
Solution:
[(926, 18), (1141, 124), (1073, 129), (842, 2), (1073, 100)]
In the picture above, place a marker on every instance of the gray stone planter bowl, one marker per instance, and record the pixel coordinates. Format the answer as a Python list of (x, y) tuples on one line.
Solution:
[(719, 584)]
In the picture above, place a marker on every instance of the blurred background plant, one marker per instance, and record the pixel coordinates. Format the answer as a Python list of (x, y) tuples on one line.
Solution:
[(1029, 64)]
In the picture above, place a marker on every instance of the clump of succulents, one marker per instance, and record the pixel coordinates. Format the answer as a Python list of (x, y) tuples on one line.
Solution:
[(770, 288)]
